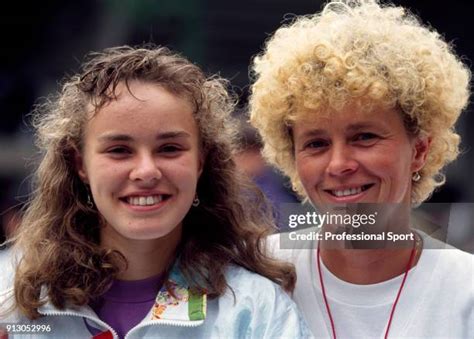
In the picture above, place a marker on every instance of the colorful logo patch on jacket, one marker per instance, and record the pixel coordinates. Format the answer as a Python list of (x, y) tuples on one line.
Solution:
[(180, 304)]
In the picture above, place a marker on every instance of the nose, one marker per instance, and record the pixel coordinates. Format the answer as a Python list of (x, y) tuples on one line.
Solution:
[(145, 170), (342, 161)]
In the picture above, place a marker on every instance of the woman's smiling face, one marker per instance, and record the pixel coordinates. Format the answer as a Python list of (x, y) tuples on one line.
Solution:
[(141, 158), (354, 156)]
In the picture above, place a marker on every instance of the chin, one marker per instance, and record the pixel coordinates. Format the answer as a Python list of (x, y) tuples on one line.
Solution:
[(134, 230), (147, 235)]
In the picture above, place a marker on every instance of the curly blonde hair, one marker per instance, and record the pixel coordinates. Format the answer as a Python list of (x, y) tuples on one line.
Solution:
[(366, 53), (59, 236)]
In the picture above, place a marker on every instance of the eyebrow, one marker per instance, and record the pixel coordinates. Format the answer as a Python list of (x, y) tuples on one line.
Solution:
[(107, 137), (361, 125), (350, 128), (313, 133)]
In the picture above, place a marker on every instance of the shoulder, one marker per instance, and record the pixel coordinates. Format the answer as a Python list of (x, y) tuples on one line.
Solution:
[(290, 246), (8, 263), (244, 282), (263, 307), (447, 254), (253, 290), (275, 248), (453, 265), (8, 260), (256, 293), (455, 261)]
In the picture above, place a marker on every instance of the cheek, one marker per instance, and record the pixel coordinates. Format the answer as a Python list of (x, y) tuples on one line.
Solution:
[(183, 172), (107, 177), (309, 170), (390, 165)]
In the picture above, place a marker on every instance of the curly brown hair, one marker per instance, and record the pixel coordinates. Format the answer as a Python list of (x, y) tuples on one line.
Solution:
[(59, 235)]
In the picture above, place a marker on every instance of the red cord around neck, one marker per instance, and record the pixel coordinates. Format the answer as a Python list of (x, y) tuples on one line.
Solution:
[(323, 290)]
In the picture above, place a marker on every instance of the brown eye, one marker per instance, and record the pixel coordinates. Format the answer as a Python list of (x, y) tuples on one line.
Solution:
[(170, 149), (118, 150), (317, 144), (365, 137)]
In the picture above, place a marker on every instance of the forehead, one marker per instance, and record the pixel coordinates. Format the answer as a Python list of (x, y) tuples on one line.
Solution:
[(141, 107), (351, 116)]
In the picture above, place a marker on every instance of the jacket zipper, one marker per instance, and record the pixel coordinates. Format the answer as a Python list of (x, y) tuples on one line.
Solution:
[(94, 319), (178, 323)]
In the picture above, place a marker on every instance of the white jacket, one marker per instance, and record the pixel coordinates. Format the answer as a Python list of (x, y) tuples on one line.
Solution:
[(260, 310)]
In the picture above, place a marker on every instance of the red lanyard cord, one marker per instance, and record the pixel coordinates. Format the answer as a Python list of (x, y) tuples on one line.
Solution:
[(323, 290)]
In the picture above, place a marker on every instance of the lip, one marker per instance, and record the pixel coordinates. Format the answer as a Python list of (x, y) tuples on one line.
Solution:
[(143, 194), (151, 208), (349, 198)]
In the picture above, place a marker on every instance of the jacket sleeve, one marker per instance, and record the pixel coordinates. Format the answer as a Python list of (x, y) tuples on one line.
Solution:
[(7, 268), (280, 317), (263, 310)]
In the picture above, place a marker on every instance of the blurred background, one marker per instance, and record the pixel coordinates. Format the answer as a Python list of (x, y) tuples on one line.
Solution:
[(44, 40)]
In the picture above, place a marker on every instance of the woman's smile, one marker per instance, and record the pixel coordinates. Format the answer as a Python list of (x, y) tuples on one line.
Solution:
[(142, 161), (349, 193), (144, 202), (356, 156)]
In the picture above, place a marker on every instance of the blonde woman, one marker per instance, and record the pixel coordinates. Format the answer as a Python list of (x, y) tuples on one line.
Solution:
[(139, 225), (357, 104)]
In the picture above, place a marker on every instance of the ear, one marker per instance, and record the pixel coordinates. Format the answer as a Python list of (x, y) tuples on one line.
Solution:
[(80, 167), (421, 148), (201, 161)]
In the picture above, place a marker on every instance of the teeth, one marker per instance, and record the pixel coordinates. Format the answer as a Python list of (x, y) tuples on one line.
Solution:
[(145, 201), (346, 192)]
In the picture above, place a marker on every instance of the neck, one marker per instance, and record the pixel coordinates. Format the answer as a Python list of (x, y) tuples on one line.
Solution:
[(365, 267), (371, 262), (145, 258)]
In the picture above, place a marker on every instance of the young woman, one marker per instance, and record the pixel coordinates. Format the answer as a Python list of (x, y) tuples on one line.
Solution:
[(357, 105), (139, 225)]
